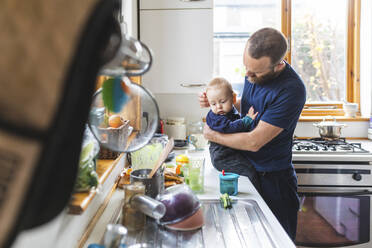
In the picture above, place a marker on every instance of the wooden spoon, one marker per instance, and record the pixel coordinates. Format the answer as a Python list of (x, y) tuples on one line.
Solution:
[(163, 156)]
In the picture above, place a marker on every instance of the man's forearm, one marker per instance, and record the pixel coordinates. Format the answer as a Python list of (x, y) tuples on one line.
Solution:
[(240, 141)]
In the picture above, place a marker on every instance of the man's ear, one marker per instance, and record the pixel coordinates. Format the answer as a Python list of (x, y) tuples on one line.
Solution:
[(234, 97)]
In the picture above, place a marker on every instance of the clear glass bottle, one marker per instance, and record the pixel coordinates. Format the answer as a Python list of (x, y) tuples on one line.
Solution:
[(132, 218), (195, 135)]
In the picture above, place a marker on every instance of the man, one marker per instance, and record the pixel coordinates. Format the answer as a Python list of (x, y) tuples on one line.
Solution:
[(278, 94)]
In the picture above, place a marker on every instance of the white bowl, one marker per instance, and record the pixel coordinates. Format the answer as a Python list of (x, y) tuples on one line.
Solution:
[(350, 109)]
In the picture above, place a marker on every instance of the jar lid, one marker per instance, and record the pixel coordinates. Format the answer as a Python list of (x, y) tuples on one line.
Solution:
[(182, 158), (175, 120), (229, 176)]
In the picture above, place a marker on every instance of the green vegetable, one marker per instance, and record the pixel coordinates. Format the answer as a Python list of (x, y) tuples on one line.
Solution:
[(87, 177), (86, 153), (225, 201)]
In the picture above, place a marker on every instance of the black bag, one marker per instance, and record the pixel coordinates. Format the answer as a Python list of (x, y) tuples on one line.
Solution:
[(51, 55)]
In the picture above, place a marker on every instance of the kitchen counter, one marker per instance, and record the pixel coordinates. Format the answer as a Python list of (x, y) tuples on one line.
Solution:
[(211, 191)]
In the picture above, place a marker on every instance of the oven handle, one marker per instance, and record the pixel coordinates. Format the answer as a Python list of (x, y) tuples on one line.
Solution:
[(335, 193)]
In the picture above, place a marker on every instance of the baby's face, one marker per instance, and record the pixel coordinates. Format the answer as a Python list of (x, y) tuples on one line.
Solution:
[(220, 100)]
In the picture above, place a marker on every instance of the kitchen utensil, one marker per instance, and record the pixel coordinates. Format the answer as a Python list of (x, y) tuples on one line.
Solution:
[(149, 206), (180, 143), (154, 185), (180, 202), (115, 94), (133, 58), (192, 222), (163, 156), (144, 132), (329, 129)]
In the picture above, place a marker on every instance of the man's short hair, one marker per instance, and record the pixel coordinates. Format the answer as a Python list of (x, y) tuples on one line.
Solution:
[(268, 42)]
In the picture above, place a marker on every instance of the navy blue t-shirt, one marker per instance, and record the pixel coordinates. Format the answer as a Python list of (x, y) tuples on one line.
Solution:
[(278, 102)]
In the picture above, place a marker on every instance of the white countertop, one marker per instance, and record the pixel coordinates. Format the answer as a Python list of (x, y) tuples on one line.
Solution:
[(211, 191)]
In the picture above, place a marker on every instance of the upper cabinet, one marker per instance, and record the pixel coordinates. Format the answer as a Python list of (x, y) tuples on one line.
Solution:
[(175, 4), (180, 35)]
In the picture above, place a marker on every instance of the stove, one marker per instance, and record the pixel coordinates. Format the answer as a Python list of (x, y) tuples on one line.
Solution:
[(318, 149), (335, 186)]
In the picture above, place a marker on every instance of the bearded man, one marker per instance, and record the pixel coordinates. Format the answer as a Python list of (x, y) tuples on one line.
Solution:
[(278, 94)]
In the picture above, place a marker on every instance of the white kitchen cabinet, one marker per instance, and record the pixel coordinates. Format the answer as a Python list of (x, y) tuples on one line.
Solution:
[(181, 40), (175, 4)]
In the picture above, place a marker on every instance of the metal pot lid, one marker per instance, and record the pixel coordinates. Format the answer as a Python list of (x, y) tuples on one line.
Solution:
[(333, 123)]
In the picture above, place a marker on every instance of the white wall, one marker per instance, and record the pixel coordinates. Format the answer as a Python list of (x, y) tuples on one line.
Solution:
[(180, 105), (129, 9)]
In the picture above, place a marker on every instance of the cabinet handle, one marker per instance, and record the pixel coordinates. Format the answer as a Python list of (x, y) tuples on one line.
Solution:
[(193, 85)]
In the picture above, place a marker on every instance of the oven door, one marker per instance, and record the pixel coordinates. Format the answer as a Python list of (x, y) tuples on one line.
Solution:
[(334, 217)]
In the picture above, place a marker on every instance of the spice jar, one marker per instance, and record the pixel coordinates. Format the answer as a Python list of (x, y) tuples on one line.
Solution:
[(133, 219)]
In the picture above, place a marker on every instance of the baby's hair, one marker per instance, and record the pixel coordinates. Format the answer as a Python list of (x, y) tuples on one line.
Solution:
[(220, 82)]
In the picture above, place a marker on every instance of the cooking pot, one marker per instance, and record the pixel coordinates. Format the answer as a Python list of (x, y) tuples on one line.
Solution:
[(329, 129)]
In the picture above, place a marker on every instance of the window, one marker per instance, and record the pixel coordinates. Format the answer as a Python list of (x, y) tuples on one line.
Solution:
[(234, 22), (324, 45)]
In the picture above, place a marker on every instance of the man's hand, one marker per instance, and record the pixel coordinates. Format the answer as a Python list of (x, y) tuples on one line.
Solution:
[(203, 100), (208, 132)]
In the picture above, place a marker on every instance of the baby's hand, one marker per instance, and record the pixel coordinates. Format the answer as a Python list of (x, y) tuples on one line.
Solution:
[(203, 100), (251, 113)]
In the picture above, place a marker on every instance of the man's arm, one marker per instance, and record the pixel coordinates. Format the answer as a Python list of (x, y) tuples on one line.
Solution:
[(249, 141)]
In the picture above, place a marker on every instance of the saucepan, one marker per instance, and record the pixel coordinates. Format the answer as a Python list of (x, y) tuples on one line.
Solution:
[(330, 129)]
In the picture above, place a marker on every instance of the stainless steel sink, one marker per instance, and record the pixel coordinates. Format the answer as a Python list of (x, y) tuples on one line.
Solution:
[(244, 225)]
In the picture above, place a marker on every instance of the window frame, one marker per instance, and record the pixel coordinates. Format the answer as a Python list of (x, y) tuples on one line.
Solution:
[(352, 60)]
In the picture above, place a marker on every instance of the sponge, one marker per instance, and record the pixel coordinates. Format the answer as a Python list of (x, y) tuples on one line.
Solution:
[(115, 94)]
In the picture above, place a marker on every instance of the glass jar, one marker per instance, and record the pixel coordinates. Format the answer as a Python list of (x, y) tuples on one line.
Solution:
[(196, 137), (132, 218), (175, 127)]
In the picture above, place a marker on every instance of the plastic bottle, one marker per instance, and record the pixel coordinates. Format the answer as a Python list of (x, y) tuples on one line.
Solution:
[(182, 162)]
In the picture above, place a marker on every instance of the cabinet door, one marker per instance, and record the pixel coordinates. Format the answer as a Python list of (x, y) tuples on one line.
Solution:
[(182, 45), (175, 4)]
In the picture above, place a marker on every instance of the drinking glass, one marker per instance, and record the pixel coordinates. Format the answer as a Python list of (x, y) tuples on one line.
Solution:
[(196, 174)]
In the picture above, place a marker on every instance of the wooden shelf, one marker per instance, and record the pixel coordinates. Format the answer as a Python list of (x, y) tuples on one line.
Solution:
[(80, 201)]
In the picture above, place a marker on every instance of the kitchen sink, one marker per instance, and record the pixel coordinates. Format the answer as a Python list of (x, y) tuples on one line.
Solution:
[(244, 225)]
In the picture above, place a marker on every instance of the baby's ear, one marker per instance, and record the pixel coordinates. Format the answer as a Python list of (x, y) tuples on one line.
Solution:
[(234, 97)]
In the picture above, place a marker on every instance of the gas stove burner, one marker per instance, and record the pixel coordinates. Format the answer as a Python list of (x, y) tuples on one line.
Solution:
[(346, 147), (327, 146)]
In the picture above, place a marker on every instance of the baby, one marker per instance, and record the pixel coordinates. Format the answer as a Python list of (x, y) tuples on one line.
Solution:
[(224, 117)]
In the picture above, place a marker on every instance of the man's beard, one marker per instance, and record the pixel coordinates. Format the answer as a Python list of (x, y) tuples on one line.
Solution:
[(265, 78)]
